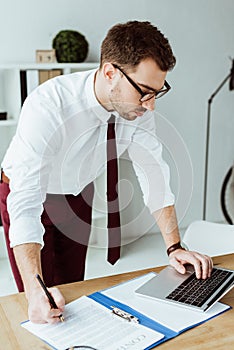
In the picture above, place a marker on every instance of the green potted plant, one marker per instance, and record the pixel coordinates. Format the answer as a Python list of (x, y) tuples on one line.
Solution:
[(70, 46)]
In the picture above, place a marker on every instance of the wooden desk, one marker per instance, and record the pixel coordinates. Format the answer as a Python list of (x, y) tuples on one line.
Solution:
[(217, 333)]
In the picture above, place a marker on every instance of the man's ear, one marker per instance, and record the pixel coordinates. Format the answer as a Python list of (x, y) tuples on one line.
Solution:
[(109, 72)]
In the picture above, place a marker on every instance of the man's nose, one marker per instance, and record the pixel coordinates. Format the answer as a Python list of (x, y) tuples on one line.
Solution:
[(150, 104)]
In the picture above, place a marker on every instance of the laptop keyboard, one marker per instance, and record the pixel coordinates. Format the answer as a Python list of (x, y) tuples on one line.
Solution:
[(195, 291)]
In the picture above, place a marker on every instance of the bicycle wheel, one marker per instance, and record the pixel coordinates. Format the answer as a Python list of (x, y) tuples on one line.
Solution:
[(227, 196)]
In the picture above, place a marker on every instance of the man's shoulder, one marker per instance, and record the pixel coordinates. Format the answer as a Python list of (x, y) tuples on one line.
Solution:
[(64, 88), (67, 82)]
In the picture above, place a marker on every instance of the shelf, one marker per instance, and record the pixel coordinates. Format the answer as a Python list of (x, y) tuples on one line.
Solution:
[(47, 66), (9, 122), (12, 81)]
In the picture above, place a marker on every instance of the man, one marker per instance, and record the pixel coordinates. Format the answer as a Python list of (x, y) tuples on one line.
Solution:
[(58, 151)]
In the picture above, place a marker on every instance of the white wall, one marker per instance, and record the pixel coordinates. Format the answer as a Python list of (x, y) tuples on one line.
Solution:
[(202, 36)]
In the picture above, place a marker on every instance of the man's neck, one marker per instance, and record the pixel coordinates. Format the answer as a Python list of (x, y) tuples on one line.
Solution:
[(101, 93)]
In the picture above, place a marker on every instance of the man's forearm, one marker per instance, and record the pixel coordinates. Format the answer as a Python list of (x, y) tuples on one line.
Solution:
[(28, 259), (167, 223)]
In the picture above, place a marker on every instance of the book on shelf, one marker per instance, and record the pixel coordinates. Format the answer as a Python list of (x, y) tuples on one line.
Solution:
[(48, 74), (23, 86)]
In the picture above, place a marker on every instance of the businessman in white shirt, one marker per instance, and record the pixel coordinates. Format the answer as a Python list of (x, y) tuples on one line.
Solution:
[(59, 149)]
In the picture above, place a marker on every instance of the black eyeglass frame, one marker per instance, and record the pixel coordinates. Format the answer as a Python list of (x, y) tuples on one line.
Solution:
[(155, 94)]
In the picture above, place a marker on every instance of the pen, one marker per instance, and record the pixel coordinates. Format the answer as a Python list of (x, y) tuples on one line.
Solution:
[(49, 296)]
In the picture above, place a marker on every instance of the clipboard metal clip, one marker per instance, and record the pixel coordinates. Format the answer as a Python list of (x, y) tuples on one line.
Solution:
[(123, 314)]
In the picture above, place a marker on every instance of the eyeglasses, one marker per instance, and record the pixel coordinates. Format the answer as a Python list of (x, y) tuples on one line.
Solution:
[(145, 96)]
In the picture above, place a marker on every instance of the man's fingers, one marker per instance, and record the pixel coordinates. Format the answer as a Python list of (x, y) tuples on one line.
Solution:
[(40, 310), (203, 264), (53, 316), (178, 265), (58, 298), (47, 315)]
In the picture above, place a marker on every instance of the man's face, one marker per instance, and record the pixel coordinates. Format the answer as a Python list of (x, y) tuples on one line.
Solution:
[(125, 99)]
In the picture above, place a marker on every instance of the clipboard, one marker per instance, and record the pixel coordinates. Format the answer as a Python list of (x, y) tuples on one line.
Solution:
[(122, 296), (117, 305)]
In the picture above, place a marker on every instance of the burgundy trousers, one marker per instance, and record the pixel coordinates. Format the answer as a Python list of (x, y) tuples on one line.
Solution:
[(67, 222)]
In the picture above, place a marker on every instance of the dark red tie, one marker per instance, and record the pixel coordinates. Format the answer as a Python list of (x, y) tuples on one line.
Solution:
[(113, 225)]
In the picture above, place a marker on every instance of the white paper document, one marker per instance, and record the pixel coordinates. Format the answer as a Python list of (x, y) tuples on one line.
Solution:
[(174, 317), (89, 323)]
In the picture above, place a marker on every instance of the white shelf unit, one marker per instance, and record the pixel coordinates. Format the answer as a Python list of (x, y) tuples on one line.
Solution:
[(69, 66), (9, 122), (10, 95)]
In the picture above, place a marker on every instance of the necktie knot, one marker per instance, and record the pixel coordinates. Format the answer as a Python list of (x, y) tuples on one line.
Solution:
[(111, 120), (111, 128)]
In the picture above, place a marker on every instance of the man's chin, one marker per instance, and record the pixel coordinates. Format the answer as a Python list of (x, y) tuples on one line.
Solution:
[(132, 115), (129, 117)]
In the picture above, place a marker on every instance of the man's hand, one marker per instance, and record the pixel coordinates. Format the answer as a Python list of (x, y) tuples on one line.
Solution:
[(167, 222), (39, 308), (28, 258), (203, 264)]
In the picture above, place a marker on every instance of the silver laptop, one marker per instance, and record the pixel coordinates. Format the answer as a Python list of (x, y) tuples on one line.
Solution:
[(186, 290)]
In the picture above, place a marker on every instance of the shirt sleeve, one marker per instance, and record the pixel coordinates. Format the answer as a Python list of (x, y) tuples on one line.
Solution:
[(152, 171), (31, 154)]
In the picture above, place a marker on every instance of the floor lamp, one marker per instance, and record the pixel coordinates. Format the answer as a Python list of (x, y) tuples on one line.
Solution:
[(231, 87)]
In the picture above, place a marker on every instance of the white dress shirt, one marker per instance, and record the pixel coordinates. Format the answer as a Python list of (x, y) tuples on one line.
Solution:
[(60, 147)]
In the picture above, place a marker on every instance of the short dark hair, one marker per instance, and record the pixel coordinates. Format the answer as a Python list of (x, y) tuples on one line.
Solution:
[(129, 43)]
